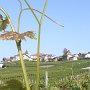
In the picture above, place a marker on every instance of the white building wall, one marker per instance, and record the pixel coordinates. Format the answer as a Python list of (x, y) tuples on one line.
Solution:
[(87, 56), (1, 65)]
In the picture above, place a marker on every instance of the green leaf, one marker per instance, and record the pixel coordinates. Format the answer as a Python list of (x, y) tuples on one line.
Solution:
[(3, 24)]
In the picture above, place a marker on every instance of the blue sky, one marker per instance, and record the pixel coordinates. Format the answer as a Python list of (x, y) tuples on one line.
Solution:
[(73, 14)]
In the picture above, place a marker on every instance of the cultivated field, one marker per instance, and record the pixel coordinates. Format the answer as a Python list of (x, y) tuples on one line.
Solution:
[(56, 71)]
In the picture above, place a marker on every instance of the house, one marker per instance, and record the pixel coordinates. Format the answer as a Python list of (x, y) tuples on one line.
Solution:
[(75, 57), (7, 60), (81, 56), (2, 65), (87, 56), (44, 57), (35, 56), (72, 57), (50, 57), (17, 58), (69, 57), (25, 56)]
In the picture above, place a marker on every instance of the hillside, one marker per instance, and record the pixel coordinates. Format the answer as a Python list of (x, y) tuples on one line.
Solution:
[(56, 71)]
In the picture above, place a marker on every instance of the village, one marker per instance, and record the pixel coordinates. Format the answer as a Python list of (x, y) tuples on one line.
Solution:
[(67, 56)]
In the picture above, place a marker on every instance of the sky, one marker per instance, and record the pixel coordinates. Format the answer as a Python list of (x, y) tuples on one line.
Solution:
[(73, 14)]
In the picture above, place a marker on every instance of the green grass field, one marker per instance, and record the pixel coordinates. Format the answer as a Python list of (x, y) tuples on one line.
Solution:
[(59, 74), (58, 71)]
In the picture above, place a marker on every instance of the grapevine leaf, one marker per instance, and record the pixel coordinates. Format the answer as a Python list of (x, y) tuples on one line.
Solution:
[(16, 36), (3, 24), (29, 34)]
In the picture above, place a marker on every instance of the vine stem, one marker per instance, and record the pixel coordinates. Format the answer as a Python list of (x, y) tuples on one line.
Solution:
[(18, 43), (11, 24), (38, 47)]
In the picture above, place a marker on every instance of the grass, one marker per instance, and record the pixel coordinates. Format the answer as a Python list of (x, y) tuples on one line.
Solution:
[(58, 71), (59, 74)]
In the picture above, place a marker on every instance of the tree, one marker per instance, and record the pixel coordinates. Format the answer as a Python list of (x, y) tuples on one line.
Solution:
[(66, 52)]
